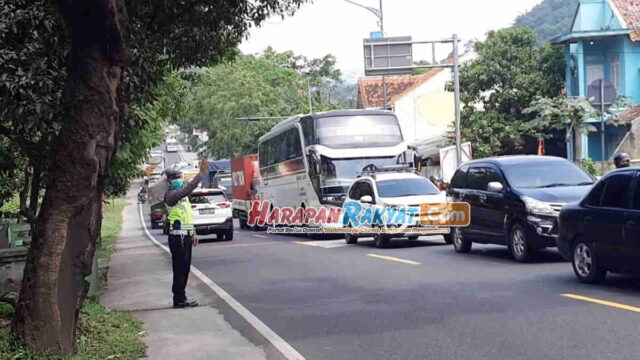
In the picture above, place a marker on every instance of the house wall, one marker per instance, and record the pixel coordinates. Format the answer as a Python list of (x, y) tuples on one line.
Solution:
[(428, 110), (595, 15)]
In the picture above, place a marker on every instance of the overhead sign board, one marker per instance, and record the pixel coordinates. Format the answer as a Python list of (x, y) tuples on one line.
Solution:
[(388, 56)]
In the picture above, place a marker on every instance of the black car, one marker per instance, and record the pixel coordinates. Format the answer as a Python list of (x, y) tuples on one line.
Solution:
[(602, 232), (515, 201)]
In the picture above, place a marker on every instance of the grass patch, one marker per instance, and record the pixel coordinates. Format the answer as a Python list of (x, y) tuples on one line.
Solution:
[(111, 227), (103, 334)]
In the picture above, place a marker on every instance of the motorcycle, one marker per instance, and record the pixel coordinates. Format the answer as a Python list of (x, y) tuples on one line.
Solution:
[(142, 197)]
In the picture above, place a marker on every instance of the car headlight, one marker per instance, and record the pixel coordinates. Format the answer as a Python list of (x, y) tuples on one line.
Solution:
[(537, 207)]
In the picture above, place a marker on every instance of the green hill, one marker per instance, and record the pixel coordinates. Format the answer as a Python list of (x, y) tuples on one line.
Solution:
[(549, 19)]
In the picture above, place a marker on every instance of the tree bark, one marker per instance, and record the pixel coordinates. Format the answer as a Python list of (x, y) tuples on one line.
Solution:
[(63, 244), (577, 145)]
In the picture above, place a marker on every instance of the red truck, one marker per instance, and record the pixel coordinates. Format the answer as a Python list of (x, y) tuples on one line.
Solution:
[(244, 177)]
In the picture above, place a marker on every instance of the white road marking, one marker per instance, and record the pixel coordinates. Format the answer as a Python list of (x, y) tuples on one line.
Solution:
[(279, 343), (392, 258), (259, 236), (330, 244)]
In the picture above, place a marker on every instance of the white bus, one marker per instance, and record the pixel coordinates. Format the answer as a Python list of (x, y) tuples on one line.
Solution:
[(311, 160), (172, 145)]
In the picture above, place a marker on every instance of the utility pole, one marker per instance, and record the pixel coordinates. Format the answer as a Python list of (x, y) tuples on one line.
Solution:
[(456, 96)]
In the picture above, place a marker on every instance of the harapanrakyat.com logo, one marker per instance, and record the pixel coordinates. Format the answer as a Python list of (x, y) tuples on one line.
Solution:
[(354, 217)]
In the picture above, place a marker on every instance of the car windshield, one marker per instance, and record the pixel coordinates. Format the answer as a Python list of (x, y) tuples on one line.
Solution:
[(546, 174), (406, 187), (359, 131), (207, 198)]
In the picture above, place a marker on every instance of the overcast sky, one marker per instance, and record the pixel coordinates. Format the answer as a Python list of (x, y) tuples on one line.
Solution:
[(337, 27)]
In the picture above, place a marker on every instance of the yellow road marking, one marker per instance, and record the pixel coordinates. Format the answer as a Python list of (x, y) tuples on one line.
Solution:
[(603, 302), (391, 258), (260, 236)]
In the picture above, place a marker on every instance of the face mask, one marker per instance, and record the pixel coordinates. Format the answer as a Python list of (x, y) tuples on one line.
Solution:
[(177, 184)]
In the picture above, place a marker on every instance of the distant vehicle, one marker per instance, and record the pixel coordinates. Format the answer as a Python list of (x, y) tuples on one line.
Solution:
[(222, 180), (602, 232), (171, 145), (244, 174), (157, 215), (312, 160), (392, 189), (515, 201), (155, 165), (212, 213), (155, 153)]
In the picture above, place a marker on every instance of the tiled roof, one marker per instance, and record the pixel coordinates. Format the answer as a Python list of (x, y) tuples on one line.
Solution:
[(371, 91), (630, 12), (630, 115)]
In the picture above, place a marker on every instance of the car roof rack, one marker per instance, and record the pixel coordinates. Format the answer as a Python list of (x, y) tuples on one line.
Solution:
[(372, 169)]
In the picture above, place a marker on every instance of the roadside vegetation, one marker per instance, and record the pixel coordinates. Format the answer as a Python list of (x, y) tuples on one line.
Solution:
[(102, 334)]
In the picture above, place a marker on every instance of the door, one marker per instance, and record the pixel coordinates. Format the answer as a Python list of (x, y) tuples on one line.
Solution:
[(594, 73), (474, 184), (604, 222), (492, 205), (632, 227)]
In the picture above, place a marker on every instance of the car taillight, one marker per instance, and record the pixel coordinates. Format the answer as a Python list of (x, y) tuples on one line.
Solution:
[(223, 205)]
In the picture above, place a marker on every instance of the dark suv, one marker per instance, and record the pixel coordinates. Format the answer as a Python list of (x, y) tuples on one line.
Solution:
[(602, 232), (515, 201)]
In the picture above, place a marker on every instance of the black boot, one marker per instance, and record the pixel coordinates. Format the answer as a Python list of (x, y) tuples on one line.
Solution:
[(186, 304)]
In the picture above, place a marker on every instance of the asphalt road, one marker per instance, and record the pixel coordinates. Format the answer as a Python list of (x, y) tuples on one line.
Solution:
[(421, 300)]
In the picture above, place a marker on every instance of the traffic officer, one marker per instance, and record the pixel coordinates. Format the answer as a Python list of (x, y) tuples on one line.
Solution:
[(622, 160), (181, 231)]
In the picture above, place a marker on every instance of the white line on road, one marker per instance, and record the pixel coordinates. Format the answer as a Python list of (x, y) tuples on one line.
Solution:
[(391, 258), (279, 343), (259, 236), (330, 244)]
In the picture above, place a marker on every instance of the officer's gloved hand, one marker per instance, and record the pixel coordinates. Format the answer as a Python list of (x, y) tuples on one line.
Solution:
[(177, 225)]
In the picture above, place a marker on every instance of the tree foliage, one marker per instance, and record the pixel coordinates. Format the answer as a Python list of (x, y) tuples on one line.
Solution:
[(266, 85), (549, 19), (508, 74), (68, 71)]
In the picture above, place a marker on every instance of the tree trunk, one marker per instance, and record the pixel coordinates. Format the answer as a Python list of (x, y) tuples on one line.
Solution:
[(577, 145), (62, 249)]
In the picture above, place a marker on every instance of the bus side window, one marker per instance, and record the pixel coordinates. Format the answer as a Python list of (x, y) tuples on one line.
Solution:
[(308, 131)]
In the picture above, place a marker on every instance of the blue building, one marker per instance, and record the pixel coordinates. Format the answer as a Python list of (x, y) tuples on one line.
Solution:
[(604, 43)]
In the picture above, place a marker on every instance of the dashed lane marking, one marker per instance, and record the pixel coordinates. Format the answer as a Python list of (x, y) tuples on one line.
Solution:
[(603, 302), (329, 244), (391, 258), (259, 236)]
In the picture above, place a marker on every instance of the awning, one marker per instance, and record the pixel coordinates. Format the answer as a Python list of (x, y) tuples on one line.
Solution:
[(587, 35)]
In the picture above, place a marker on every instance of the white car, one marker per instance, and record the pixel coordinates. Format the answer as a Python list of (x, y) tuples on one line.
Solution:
[(212, 213), (395, 189), (171, 145)]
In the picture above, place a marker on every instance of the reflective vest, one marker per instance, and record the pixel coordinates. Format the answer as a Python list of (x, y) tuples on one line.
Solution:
[(182, 212)]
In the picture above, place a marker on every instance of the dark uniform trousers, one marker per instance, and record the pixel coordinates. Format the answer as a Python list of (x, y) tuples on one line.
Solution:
[(180, 246)]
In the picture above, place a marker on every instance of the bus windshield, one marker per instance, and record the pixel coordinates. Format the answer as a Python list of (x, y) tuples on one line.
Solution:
[(359, 131), (346, 170)]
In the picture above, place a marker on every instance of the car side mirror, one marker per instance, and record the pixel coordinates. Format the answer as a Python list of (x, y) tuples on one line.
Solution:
[(367, 199), (495, 186)]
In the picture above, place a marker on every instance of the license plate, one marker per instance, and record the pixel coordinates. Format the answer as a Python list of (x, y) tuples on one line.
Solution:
[(207, 211)]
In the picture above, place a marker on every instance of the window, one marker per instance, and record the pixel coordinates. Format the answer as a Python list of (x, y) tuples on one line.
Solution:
[(366, 189), (491, 175), (207, 198), (406, 187), (458, 180), (476, 178), (308, 130), (353, 193), (615, 71), (359, 131), (594, 197), (616, 192)]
